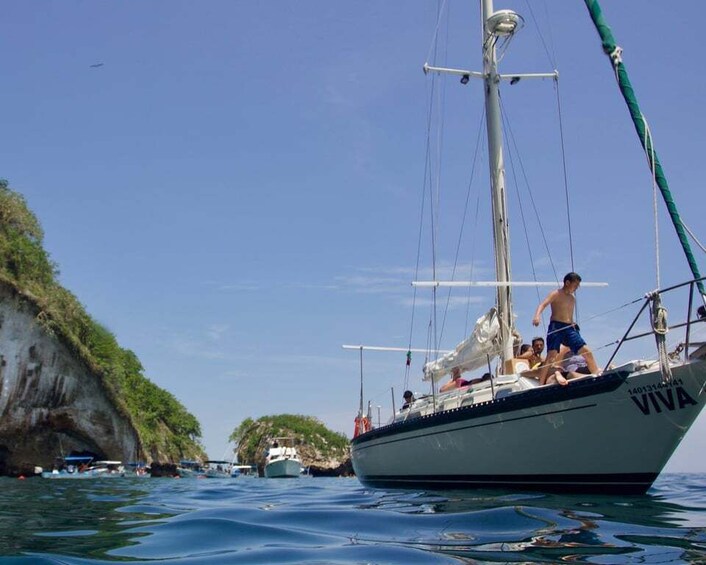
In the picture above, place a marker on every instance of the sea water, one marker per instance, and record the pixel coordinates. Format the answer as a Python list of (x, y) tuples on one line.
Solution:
[(329, 520)]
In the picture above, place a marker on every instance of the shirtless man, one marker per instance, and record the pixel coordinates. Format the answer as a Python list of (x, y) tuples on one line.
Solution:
[(562, 330)]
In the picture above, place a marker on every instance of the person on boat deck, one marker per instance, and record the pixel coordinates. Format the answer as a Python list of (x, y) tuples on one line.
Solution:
[(562, 329), (533, 354), (408, 399), (567, 367), (455, 382), (534, 358), (485, 377)]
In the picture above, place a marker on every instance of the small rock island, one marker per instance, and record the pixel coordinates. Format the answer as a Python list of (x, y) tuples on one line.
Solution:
[(322, 451)]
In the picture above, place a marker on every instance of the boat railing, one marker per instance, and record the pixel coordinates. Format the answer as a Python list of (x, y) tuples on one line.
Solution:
[(472, 394), (654, 310), (650, 320)]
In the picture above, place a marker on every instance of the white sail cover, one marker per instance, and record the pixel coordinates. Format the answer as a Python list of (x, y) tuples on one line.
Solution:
[(472, 352)]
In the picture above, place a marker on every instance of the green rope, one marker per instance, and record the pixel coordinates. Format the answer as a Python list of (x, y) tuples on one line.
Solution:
[(613, 51)]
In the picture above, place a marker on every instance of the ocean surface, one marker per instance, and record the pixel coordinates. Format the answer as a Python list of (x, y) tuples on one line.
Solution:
[(328, 520)]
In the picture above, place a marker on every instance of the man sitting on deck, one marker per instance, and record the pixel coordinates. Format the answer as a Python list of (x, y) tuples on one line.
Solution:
[(534, 354), (567, 368)]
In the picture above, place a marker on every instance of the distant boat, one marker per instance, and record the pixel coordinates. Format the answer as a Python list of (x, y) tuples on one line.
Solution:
[(218, 469), (84, 467), (282, 460), (190, 469), (243, 471), (137, 469)]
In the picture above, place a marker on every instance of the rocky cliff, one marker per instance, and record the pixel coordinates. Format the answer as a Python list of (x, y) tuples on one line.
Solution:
[(66, 385), (51, 402)]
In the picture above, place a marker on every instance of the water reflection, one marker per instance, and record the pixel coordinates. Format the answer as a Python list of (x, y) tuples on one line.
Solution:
[(666, 526)]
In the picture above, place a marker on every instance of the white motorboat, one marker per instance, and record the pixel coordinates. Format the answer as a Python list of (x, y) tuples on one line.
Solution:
[(603, 433), (243, 471), (282, 460)]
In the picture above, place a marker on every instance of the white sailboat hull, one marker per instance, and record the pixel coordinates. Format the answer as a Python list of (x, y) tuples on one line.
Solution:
[(612, 433), (283, 468)]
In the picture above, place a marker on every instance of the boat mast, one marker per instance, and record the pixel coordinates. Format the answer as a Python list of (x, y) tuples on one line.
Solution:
[(496, 25), (501, 231)]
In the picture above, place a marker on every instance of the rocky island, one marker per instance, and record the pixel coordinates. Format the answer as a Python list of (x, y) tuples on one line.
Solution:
[(323, 452)]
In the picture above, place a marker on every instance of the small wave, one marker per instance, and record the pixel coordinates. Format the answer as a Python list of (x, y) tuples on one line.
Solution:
[(339, 521)]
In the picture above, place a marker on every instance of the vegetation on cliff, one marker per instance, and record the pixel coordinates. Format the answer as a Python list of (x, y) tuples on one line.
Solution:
[(317, 443), (164, 426)]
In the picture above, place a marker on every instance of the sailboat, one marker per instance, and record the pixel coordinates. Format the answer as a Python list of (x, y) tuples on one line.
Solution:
[(609, 432)]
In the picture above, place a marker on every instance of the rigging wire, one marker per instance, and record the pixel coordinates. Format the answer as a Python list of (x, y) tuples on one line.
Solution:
[(479, 147), (566, 176), (427, 174), (553, 60), (427, 182), (435, 37), (650, 151), (434, 211), (511, 137), (473, 264), (519, 200), (650, 154), (501, 49), (694, 237), (429, 346), (550, 55), (463, 222), (630, 303)]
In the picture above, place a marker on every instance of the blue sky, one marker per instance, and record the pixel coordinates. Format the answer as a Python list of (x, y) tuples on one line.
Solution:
[(236, 191)]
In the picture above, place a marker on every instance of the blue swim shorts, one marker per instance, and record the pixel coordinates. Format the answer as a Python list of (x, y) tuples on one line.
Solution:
[(561, 333)]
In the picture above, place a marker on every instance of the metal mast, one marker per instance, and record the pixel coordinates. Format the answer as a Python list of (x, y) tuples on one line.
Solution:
[(500, 25), (501, 231)]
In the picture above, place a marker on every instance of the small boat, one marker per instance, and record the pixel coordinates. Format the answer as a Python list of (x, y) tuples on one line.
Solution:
[(137, 469), (282, 460), (84, 467), (611, 431), (190, 469), (218, 469), (243, 471)]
